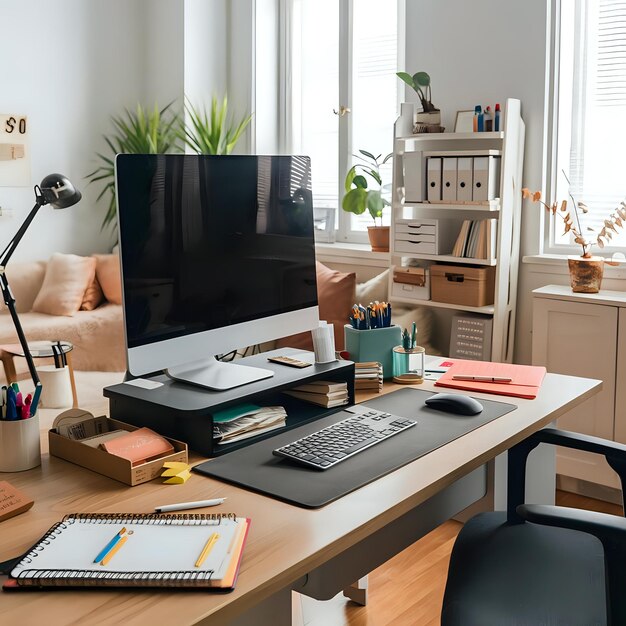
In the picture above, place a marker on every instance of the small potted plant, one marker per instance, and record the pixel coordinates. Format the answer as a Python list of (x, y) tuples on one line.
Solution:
[(429, 120), (360, 198), (586, 271)]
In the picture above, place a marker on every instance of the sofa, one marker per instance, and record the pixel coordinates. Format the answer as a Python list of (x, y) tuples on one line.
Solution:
[(50, 306)]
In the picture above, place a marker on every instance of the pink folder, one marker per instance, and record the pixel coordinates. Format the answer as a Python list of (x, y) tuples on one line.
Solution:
[(525, 379)]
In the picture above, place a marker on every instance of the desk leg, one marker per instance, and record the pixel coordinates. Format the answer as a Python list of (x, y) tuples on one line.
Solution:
[(284, 608), (357, 592)]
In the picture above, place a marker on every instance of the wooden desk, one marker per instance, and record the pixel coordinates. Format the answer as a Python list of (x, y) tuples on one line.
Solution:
[(286, 543)]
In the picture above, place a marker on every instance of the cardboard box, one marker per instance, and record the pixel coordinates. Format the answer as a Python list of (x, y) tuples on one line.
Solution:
[(110, 465), (467, 286), (411, 282)]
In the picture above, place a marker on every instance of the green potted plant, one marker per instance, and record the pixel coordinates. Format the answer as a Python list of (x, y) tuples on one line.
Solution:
[(585, 271), (429, 120), (360, 198), (214, 132), (135, 132)]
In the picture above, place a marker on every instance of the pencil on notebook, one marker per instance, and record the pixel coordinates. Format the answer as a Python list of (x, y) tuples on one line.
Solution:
[(207, 548), (113, 551)]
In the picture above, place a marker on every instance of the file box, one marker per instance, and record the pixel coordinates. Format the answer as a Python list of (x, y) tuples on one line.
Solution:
[(464, 285)]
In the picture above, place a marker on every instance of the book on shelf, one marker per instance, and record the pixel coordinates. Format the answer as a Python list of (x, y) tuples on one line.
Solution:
[(135, 550), (244, 421), (476, 239), (321, 399), (322, 386)]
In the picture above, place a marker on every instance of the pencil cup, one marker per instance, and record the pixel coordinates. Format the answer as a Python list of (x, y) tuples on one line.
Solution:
[(56, 389), (19, 444), (374, 344), (324, 343), (408, 365)]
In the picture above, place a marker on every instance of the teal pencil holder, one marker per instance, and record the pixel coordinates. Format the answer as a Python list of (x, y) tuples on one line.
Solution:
[(375, 344)]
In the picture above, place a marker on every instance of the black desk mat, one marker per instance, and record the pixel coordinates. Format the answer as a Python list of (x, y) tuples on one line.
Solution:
[(256, 468)]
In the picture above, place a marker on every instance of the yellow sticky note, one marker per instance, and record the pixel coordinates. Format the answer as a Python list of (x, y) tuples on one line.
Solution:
[(179, 479), (177, 465)]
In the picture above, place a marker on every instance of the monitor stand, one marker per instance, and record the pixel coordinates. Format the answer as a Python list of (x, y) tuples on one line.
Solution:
[(217, 375)]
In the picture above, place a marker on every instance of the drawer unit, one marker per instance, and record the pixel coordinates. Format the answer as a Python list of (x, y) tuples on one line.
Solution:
[(411, 282), (425, 236)]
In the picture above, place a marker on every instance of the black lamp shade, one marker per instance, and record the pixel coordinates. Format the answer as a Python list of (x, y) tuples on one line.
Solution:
[(59, 192)]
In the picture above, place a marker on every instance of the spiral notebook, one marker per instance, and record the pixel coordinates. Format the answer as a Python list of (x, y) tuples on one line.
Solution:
[(156, 551)]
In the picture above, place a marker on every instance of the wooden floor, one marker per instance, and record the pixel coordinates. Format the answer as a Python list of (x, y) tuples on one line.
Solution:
[(408, 589)]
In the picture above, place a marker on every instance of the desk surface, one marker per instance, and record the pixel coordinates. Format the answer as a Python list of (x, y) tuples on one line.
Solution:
[(285, 541)]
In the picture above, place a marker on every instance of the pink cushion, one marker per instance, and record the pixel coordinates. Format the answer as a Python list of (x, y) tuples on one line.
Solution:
[(108, 275), (64, 285), (93, 296), (335, 294)]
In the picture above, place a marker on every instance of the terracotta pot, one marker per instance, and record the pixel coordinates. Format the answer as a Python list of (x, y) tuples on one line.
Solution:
[(585, 274), (379, 238)]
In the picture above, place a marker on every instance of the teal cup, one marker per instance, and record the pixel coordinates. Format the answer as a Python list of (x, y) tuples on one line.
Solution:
[(375, 344)]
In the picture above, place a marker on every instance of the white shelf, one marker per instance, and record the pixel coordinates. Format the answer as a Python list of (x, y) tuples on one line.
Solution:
[(412, 152), (486, 310), (446, 258), (452, 136), (492, 206)]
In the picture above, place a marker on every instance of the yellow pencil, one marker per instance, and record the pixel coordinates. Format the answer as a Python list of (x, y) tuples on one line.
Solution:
[(207, 548), (113, 550)]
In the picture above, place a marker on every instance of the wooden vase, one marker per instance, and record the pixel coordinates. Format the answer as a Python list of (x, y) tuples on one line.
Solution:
[(585, 274), (379, 238)]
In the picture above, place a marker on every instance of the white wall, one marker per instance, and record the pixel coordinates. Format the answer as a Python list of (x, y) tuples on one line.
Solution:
[(69, 65), (483, 52)]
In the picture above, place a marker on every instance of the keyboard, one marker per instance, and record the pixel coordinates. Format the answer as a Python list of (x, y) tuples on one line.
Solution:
[(338, 442)]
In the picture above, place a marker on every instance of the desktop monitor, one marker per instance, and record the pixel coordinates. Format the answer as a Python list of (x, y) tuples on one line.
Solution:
[(217, 253)]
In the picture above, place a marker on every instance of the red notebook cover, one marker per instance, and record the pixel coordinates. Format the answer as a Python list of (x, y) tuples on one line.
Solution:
[(525, 379)]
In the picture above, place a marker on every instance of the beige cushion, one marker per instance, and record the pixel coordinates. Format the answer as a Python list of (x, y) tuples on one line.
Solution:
[(25, 280), (108, 275), (64, 285), (93, 296), (375, 288)]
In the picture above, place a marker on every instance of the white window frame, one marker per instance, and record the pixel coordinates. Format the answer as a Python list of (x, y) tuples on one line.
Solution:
[(549, 224), (344, 232)]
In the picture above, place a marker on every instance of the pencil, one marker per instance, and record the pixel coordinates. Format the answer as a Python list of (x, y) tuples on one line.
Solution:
[(114, 550), (207, 548), (109, 545)]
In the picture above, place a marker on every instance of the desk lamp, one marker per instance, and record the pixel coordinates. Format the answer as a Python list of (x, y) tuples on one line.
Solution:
[(57, 191)]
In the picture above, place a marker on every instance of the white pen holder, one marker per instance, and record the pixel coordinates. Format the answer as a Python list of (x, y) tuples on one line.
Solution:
[(19, 444), (56, 388)]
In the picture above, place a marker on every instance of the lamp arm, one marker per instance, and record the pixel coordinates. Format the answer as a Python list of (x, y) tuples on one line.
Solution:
[(10, 249), (9, 300)]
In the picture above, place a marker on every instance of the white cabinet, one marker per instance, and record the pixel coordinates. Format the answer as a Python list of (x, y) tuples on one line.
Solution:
[(421, 164), (585, 335)]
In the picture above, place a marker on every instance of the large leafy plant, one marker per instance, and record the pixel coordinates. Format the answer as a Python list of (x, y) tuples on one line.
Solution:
[(212, 132), (420, 83), (359, 197), (141, 131)]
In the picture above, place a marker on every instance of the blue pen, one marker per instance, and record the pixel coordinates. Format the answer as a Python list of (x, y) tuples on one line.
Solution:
[(35, 402), (11, 404)]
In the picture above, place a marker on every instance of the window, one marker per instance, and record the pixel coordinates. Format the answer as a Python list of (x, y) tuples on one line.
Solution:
[(343, 94), (591, 113)]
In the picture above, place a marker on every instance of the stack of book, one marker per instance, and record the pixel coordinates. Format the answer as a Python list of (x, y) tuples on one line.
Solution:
[(477, 239), (246, 420), (368, 376), (326, 393)]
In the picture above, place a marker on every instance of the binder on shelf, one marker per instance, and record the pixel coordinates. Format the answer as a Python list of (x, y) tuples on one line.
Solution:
[(160, 551), (464, 179), (413, 176), (448, 179), (433, 179), (485, 179)]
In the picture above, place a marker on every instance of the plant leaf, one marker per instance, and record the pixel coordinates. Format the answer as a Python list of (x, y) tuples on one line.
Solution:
[(368, 154), (422, 79), (360, 181), (375, 203), (355, 201)]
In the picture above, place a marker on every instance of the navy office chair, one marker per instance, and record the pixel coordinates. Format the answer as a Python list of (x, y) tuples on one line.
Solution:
[(538, 564)]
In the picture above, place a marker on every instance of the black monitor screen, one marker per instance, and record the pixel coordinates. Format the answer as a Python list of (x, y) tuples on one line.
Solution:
[(211, 241)]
